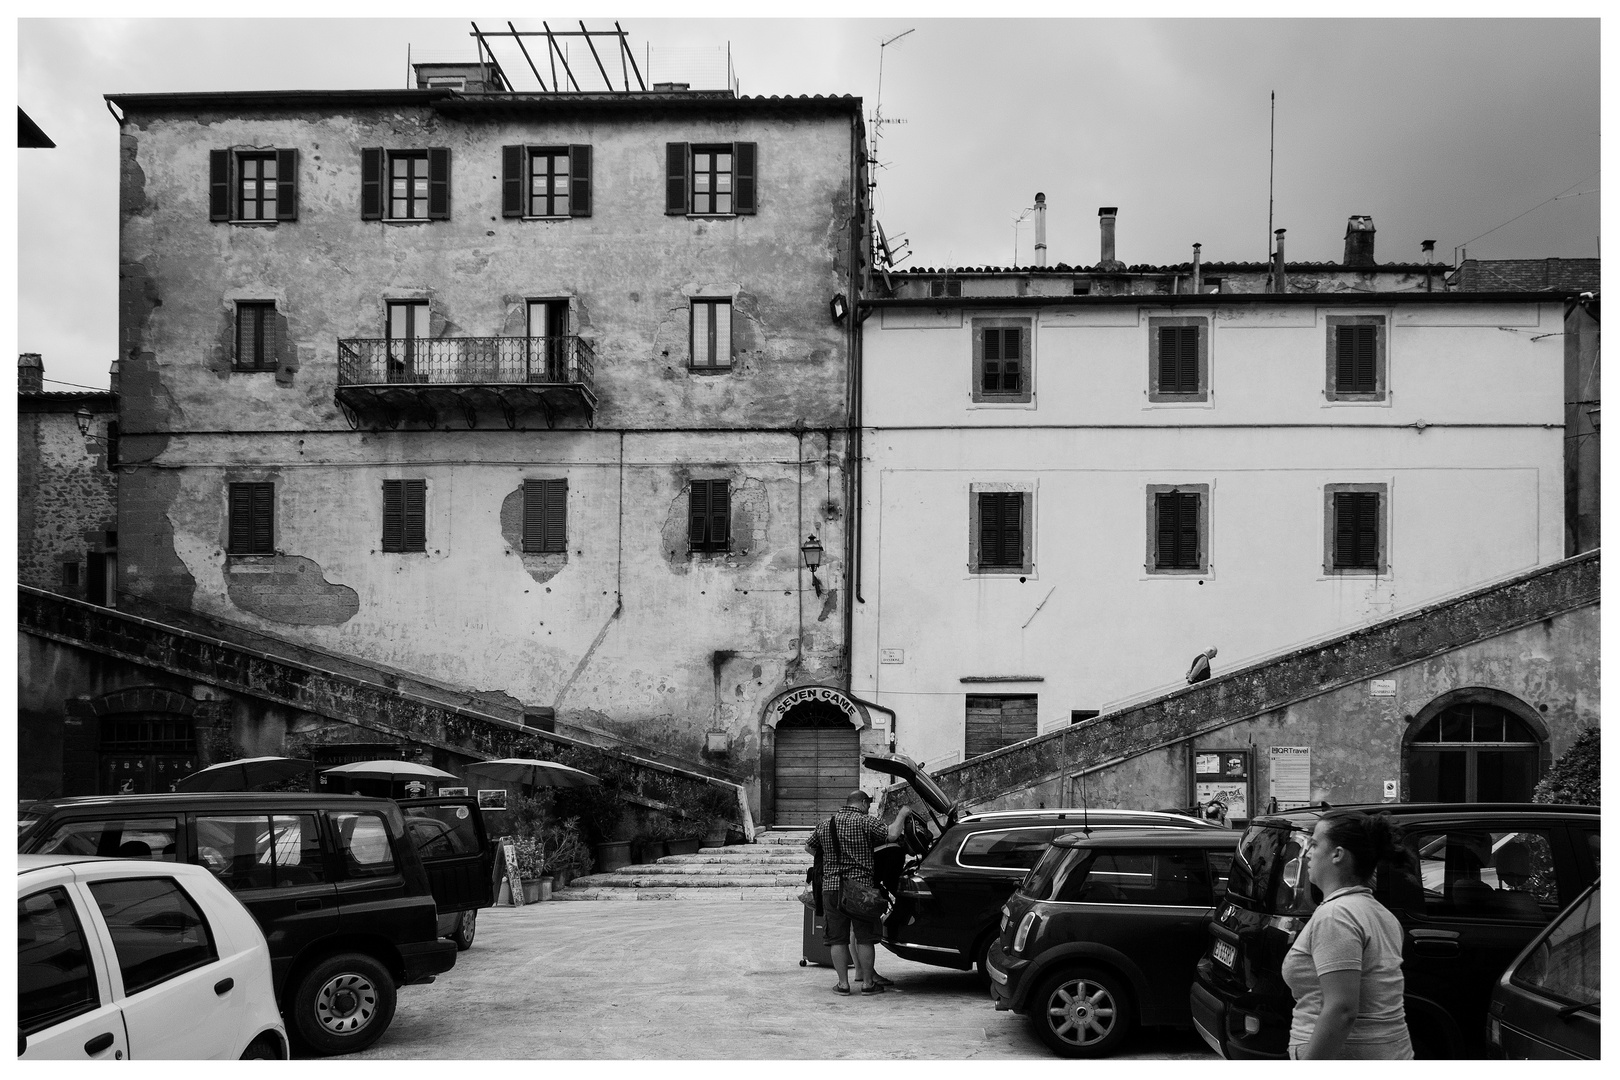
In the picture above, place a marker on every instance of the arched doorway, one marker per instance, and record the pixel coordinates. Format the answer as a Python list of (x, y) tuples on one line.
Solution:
[(1475, 746), (818, 757), (145, 741)]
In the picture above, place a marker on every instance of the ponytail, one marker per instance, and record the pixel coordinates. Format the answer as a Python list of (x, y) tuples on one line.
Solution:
[(1370, 840)]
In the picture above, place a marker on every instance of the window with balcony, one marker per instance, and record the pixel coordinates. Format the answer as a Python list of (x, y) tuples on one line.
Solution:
[(253, 186), (252, 519), (545, 181), (404, 185), (408, 324), (710, 180)]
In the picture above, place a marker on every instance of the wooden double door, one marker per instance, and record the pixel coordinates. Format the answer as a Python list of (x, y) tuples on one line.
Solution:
[(818, 759)]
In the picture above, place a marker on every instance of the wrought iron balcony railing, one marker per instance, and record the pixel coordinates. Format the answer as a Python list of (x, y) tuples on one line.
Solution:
[(466, 361)]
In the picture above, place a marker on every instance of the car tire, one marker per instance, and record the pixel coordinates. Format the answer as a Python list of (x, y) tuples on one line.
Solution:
[(466, 930), (981, 956), (1432, 1038), (1081, 1012), (265, 1048), (343, 1004)]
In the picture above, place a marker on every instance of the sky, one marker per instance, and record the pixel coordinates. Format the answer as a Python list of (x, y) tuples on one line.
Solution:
[(1444, 130)]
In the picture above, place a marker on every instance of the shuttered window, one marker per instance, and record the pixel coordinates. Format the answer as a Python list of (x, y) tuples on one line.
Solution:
[(995, 722), (710, 515), (1356, 359), (405, 185), (404, 515), (1178, 359), (257, 335), (252, 519), (545, 516), (1355, 530), (1001, 529), (253, 185), (1176, 514), (1001, 360), (945, 287), (546, 181), (711, 179), (711, 333)]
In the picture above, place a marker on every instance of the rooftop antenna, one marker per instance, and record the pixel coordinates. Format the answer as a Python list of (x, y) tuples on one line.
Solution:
[(1271, 198), (883, 255), (1017, 221)]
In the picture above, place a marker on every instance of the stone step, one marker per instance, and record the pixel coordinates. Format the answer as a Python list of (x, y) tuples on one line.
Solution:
[(771, 869), (761, 858), (719, 895), (622, 880)]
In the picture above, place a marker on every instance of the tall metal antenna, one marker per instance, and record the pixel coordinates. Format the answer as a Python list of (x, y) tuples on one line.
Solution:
[(1271, 195), (880, 249)]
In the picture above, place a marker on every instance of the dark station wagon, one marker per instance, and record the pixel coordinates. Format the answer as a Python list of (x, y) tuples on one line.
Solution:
[(348, 903)]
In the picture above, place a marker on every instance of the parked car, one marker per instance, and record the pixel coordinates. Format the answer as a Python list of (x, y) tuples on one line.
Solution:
[(959, 872), (1104, 934), (119, 959), (1489, 877), (1548, 1004), (350, 908)]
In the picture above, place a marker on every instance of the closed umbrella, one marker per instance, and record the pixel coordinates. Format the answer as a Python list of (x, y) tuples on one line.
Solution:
[(245, 774), (533, 773), (388, 770)]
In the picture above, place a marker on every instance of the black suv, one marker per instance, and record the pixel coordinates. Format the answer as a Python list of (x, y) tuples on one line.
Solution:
[(347, 902), (1105, 932), (1489, 877), (957, 874)]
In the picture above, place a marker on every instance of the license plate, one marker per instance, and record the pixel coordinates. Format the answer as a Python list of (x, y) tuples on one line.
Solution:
[(1226, 952)]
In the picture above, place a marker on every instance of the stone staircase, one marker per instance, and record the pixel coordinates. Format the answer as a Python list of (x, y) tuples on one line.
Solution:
[(770, 869)]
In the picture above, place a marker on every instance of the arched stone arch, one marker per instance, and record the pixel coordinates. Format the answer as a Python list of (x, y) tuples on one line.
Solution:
[(1475, 695), (815, 703), (145, 739)]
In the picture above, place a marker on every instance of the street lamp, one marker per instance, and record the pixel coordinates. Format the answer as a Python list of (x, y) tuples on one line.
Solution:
[(84, 418), (811, 550)]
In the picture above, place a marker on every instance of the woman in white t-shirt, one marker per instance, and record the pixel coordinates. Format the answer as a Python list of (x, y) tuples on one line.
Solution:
[(1344, 969)]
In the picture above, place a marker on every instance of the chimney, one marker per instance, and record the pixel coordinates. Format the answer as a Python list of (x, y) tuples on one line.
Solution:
[(1279, 269), (1105, 218), (1040, 228), (30, 373), (1358, 241), (1428, 260), (112, 377), (1428, 251), (1198, 269)]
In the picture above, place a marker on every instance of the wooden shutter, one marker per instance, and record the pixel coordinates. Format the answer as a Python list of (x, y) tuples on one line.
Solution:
[(252, 530), (277, 339), (240, 538), (219, 185), (1001, 529), (698, 515), (579, 181), (393, 538), (371, 183), (556, 516), (1177, 528), (1356, 359), (995, 722), (415, 515), (979, 333), (1014, 348), (439, 183), (1178, 359), (263, 518), (676, 165), (535, 496), (1355, 530), (719, 514), (513, 162), (743, 200), (286, 185)]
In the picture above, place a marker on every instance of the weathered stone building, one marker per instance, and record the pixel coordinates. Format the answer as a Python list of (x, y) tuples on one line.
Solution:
[(538, 397)]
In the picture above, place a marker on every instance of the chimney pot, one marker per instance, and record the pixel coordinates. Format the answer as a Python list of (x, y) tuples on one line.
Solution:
[(1428, 251), (30, 373), (1105, 220), (1040, 228), (1358, 241)]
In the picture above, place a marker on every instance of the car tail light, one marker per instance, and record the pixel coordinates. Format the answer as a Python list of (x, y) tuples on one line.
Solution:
[(1024, 929), (1251, 1025), (1288, 924), (1493, 1033), (916, 888)]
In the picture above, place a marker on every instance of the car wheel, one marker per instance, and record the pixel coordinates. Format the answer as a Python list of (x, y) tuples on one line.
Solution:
[(981, 957), (343, 1004), (265, 1048), (466, 930), (1081, 1012), (1431, 1038)]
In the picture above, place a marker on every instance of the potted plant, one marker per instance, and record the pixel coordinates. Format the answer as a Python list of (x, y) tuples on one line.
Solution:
[(568, 854), (532, 865), (715, 809), (652, 843)]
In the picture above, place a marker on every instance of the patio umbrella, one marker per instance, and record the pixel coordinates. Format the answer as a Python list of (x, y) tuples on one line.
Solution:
[(533, 773), (388, 770), (245, 774)]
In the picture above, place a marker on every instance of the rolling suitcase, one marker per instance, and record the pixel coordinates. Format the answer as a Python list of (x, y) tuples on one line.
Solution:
[(816, 951)]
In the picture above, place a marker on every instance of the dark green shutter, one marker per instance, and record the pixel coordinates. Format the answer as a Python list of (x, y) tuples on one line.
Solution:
[(439, 183), (1013, 350), (556, 516), (252, 525), (1177, 529), (1178, 359), (676, 161), (743, 188), (286, 185), (534, 515), (219, 185), (264, 541), (275, 337), (241, 519), (513, 160), (1001, 529), (719, 514), (698, 514), (1355, 530), (1356, 359), (393, 538), (371, 183), (415, 524), (579, 187)]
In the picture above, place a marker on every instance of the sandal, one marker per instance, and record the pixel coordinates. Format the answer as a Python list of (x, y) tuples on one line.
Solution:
[(874, 989), (841, 989), (879, 980)]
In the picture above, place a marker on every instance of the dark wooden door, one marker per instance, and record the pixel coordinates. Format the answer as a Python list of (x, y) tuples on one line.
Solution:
[(817, 764)]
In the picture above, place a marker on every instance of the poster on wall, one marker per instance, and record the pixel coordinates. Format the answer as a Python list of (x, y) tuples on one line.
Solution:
[(509, 870), (1290, 774), (1221, 784), (492, 798)]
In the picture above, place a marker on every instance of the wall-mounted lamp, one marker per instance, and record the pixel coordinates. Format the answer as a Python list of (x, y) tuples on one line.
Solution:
[(811, 550), (84, 418), (839, 308)]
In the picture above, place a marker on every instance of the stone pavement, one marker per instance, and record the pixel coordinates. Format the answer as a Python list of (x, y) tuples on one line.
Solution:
[(698, 980)]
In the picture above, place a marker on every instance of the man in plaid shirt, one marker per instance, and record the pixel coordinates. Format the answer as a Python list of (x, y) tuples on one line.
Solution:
[(858, 834)]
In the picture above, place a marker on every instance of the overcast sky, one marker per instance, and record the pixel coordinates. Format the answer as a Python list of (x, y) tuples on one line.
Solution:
[(1440, 130)]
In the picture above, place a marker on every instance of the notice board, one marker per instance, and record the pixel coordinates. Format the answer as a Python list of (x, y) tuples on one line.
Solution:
[(1290, 775), (1222, 776)]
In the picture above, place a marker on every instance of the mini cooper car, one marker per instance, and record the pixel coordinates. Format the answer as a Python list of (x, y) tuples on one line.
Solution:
[(1104, 934), (1481, 881), (1549, 1004), (960, 870), (350, 905), (138, 960)]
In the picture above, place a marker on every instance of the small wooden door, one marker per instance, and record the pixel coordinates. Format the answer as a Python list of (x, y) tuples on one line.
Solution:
[(817, 764)]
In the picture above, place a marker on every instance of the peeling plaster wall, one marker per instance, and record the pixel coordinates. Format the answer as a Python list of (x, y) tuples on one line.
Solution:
[(1356, 736), (619, 632), (67, 498)]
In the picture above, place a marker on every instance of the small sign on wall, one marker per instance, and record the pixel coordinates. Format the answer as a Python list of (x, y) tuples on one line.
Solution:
[(891, 656), (492, 798), (1290, 773), (1383, 688)]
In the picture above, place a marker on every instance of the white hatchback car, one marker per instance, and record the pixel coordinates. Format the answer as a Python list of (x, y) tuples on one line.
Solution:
[(124, 958)]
